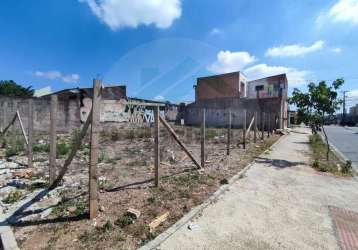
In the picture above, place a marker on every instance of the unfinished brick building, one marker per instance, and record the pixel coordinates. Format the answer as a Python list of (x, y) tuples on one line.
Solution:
[(220, 93)]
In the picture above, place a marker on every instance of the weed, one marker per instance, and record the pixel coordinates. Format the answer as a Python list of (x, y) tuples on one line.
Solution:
[(318, 148), (151, 200), (120, 236), (41, 148), (107, 227), (14, 145), (61, 209), (13, 197), (102, 156), (347, 168), (103, 184), (211, 133), (10, 152), (62, 149), (124, 221), (224, 181)]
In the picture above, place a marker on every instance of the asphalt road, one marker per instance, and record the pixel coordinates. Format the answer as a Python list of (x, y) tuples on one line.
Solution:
[(345, 139)]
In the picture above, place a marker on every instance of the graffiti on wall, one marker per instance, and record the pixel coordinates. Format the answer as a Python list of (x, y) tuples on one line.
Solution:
[(120, 111)]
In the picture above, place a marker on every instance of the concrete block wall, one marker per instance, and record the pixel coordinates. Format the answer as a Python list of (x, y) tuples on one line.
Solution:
[(68, 115), (217, 111)]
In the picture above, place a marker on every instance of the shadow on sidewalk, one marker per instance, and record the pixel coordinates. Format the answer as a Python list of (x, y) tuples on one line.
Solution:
[(278, 163)]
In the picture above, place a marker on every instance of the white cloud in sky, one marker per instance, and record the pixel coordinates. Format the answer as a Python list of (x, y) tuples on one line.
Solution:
[(216, 31), (337, 50), (353, 93), (159, 98), (54, 74), (132, 13), (344, 11), (294, 50), (295, 77), (228, 61)]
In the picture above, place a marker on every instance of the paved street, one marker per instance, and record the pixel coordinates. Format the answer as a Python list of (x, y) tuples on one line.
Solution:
[(345, 139)]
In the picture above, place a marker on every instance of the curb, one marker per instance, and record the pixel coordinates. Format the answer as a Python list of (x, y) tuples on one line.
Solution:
[(196, 210)]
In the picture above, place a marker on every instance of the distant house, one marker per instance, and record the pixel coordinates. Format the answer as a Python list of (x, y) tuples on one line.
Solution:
[(232, 91)]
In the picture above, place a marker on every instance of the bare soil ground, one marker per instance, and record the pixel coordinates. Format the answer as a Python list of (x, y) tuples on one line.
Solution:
[(125, 178)]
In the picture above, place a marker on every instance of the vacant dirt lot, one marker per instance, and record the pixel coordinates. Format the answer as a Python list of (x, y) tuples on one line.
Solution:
[(125, 177)]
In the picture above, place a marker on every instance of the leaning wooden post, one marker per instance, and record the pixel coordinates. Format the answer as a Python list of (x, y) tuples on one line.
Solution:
[(96, 105), (255, 127), (228, 135), (30, 138), (53, 139), (203, 140), (156, 146), (244, 130)]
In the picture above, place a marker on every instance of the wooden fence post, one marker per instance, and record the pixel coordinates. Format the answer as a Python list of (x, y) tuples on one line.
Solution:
[(268, 124), (228, 135), (53, 138), (203, 139), (156, 146), (95, 129), (30, 131), (244, 130), (262, 126), (255, 127)]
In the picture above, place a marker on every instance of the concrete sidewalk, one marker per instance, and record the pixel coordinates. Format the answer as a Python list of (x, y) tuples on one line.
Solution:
[(281, 204)]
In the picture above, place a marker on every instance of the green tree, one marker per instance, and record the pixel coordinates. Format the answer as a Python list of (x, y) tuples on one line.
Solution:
[(11, 88), (319, 102)]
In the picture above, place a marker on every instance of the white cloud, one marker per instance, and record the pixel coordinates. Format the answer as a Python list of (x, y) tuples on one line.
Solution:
[(228, 61), (344, 11), (215, 31), (132, 13), (295, 77), (54, 74), (159, 98), (353, 93), (294, 50), (337, 50)]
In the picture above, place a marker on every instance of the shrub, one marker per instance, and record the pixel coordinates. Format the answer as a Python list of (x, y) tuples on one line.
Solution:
[(151, 200), (224, 182), (107, 226), (10, 152), (315, 164), (347, 168), (41, 148), (62, 149), (124, 221)]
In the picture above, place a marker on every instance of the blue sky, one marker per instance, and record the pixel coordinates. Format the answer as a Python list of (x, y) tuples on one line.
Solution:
[(159, 47)]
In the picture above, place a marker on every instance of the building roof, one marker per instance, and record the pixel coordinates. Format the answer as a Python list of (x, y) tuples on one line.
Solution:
[(220, 75), (270, 78)]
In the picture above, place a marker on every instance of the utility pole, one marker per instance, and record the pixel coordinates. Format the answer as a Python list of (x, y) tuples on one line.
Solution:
[(343, 122)]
